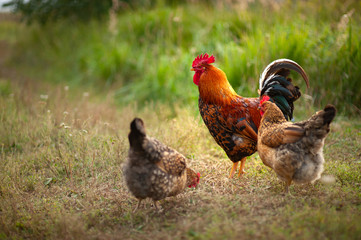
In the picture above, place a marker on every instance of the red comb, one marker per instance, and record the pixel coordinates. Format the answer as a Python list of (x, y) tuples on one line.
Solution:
[(264, 99), (201, 59)]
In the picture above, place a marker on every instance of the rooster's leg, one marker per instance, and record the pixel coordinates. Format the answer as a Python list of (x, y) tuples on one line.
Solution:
[(241, 168), (234, 167)]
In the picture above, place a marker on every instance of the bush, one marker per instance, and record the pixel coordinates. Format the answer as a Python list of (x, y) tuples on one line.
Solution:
[(148, 54), (52, 10)]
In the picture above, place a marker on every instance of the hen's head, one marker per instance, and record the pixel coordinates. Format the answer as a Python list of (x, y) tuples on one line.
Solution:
[(199, 64), (263, 103), (193, 178)]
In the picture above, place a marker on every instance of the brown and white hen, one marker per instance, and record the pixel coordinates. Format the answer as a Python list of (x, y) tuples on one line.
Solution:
[(293, 150), (154, 170)]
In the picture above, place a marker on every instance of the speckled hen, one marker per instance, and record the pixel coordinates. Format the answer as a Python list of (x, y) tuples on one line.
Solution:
[(154, 170)]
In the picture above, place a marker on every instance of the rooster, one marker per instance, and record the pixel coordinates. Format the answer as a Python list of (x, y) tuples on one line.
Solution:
[(154, 170), (293, 150), (233, 120)]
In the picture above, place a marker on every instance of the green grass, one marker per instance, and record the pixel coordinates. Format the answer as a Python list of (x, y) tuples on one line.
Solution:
[(153, 49), (69, 91)]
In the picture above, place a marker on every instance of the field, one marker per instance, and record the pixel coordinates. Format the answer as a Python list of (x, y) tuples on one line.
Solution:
[(68, 93)]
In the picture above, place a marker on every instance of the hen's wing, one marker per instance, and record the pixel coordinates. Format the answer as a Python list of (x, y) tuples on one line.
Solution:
[(278, 134), (166, 158)]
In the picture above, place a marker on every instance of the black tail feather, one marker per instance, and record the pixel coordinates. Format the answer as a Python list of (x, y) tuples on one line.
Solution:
[(281, 67), (274, 82), (330, 113), (137, 133), (282, 92)]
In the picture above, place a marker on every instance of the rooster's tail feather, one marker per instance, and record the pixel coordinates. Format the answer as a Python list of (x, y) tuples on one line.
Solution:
[(281, 67), (274, 82)]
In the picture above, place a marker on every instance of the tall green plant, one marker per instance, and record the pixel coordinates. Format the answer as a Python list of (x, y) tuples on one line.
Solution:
[(52, 10), (148, 54)]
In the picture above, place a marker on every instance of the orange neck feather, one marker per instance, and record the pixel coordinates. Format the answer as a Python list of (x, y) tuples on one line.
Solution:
[(214, 87)]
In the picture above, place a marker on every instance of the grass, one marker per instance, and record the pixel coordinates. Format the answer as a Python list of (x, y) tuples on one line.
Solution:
[(68, 94), (61, 157), (153, 49)]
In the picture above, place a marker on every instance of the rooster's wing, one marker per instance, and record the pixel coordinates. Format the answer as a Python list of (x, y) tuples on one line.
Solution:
[(234, 127)]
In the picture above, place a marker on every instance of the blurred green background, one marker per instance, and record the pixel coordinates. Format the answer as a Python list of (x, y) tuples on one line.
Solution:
[(142, 51)]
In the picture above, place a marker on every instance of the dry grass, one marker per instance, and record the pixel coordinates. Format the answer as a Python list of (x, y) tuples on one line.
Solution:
[(62, 150), (61, 176)]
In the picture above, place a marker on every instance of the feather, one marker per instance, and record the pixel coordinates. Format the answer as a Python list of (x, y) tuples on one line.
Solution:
[(278, 88), (137, 133), (293, 150), (233, 120), (154, 170), (278, 66), (274, 83), (330, 112), (282, 103), (293, 134), (273, 80)]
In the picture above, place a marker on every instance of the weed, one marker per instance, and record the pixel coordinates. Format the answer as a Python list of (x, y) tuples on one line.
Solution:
[(148, 57)]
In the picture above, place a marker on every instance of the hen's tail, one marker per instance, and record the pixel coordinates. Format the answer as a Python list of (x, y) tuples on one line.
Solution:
[(274, 82), (319, 123), (137, 133), (329, 114)]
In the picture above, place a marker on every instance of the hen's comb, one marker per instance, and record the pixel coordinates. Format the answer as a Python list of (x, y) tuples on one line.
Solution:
[(201, 59), (264, 99)]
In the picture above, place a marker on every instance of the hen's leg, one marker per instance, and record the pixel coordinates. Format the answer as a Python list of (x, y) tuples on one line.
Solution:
[(241, 168), (137, 207), (234, 167), (288, 183), (155, 205), (158, 209)]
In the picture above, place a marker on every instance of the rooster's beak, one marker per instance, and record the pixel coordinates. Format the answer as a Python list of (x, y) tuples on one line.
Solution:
[(192, 69)]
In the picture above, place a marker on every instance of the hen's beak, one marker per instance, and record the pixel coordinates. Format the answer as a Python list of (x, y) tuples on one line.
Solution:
[(192, 69)]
